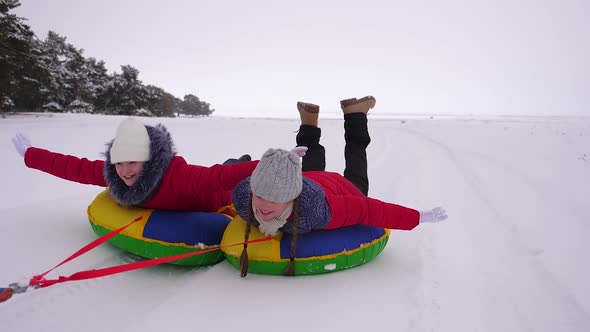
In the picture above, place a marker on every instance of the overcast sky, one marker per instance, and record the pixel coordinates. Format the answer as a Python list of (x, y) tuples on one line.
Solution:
[(417, 57)]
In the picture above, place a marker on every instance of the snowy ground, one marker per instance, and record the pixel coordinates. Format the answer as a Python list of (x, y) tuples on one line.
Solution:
[(509, 258)]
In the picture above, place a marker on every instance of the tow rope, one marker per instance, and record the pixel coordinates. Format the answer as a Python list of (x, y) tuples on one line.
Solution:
[(39, 281)]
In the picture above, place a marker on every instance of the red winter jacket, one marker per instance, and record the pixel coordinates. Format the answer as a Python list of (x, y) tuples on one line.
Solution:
[(348, 205), (182, 187), (328, 200)]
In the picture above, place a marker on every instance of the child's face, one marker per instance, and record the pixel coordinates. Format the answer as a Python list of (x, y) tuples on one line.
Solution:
[(129, 171), (267, 209)]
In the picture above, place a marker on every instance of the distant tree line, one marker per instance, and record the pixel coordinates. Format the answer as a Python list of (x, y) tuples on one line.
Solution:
[(53, 75)]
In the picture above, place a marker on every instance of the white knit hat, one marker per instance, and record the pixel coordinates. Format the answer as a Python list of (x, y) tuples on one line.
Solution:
[(277, 177), (131, 143)]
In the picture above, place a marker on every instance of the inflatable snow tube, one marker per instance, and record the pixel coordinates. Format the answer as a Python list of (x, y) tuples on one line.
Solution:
[(317, 252), (160, 233)]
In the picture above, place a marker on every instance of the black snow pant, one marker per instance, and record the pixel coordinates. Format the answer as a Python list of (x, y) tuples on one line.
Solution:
[(356, 137)]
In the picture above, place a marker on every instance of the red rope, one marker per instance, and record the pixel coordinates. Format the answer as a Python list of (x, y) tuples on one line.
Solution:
[(35, 280), (40, 281), (5, 294)]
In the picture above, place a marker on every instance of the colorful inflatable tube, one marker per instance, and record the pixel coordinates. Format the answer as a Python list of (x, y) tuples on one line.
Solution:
[(160, 233), (317, 252)]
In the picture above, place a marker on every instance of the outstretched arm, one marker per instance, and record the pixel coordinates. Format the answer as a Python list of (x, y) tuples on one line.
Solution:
[(66, 167), (355, 210)]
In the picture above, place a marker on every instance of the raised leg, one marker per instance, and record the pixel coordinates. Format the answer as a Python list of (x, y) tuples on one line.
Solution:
[(309, 136), (356, 136)]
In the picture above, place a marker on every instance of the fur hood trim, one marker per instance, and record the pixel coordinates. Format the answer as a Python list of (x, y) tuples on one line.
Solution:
[(161, 153)]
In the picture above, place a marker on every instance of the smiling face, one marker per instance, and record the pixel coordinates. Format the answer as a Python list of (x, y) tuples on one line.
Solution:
[(129, 171), (267, 209)]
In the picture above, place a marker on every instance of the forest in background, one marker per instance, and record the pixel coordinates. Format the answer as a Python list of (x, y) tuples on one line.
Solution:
[(52, 75)]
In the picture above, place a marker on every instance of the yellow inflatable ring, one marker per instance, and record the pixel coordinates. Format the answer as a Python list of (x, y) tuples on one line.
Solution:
[(160, 233), (317, 252)]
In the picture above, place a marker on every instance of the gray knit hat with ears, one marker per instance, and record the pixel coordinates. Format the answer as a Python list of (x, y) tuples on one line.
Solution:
[(277, 177)]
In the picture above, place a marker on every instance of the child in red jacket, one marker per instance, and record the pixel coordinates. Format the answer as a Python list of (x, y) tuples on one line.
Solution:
[(142, 170), (285, 195)]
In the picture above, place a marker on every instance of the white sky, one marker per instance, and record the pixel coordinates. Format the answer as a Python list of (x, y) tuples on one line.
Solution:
[(259, 57), (509, 258)]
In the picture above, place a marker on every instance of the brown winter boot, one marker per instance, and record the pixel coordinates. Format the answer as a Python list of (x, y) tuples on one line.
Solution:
[(308, 113), (354, 105)]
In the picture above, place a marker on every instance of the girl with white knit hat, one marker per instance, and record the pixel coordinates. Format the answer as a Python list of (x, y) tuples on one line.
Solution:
[(141, 169), (285, 195)]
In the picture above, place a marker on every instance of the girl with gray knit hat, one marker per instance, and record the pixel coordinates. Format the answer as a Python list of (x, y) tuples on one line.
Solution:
[(142, 170), (285, 195)]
